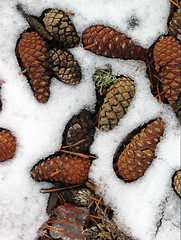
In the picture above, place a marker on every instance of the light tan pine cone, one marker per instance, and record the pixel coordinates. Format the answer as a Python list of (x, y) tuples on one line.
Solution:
[(59, 25), (137, 155), (116, 102), (7, 145), (65, 168), (175, 23), (65, 66), (177, 182), (108, 42), (33, 53)]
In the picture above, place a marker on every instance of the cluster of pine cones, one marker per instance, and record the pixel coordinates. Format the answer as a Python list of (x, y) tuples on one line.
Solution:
[(42, 52)]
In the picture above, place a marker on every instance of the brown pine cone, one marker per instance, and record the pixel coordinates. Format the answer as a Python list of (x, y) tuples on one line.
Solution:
[(65, 66), (61, 28), (108, 42), (7, 145), (175, 23), (139, 153), (65, 168), (116, 102), (33, 53), (170, 76), (80, 127), (177, 182), (167, 52)]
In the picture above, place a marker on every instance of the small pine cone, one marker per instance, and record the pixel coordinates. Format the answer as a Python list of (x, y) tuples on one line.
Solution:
[(167, 54), (139, 153), (7, 145), (167, 49), (80, 127), (175, 23), (116, 102), (33, 53), (108, 42), (61, 28), (68, 169), (80, 197), (65, 66), (177, 182)]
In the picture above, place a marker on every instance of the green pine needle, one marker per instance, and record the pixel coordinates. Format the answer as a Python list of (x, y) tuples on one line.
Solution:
[(103, 78)]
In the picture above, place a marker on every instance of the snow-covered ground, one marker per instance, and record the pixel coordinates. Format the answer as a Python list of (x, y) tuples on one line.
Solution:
[(139, 206)]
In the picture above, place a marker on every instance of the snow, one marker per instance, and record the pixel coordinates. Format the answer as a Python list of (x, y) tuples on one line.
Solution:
[(139, 205)]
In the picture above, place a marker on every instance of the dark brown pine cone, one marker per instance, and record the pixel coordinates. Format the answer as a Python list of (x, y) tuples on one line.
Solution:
[(33, 53), (59, 25), (65, 66), (106, 41), (138, 154), (80, 127)]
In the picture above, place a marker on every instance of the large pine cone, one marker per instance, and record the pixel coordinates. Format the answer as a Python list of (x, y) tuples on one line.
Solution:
[(65, 168), (167, 52), (111, 43), (175, 23), (139, 153), (116, 103), (80, 127), (65, 66), (177, 182), (33, 53), (61, 28), (7, 145)]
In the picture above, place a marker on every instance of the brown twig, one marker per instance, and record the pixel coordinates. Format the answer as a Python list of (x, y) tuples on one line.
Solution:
[(75, 144), (91, 45), (77, 154), (174, 3), (58, 189)]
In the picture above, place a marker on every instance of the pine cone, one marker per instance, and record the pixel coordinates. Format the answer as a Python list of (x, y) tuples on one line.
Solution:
[(61, 28), (110, 43), (177, 182), (170, 76), (63, 168), (167, 49), (80, 127), (139, 153), (175, 23), (7, 145), (35, 23), (65, 66), (33, 53), (116, 103), (80, 197), (167, 54)]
